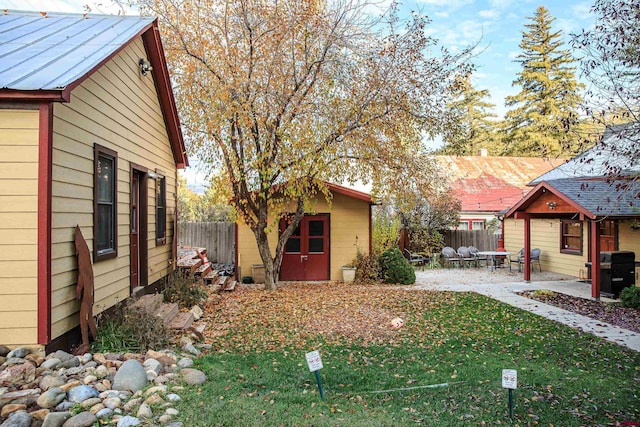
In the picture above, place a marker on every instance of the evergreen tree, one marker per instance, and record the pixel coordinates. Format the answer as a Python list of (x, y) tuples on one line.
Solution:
[(547, 105), (479, 128)]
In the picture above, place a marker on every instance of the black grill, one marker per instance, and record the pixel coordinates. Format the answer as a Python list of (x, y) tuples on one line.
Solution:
[(617, 271)]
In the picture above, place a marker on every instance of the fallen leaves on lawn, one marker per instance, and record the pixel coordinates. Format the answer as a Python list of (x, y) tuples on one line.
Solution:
[(290, 316)]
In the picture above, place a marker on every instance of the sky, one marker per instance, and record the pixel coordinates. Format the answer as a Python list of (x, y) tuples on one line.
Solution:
[(495, 25)]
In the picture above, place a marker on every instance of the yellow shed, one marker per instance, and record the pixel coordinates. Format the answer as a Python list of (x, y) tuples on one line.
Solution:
[(89, 136), (324, 242)]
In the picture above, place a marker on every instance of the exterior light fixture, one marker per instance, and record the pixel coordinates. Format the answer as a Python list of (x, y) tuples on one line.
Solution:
[(552, 205), (145, 66)]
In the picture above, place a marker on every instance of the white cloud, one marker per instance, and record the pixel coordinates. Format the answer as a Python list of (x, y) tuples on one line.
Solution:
[(489, 13)]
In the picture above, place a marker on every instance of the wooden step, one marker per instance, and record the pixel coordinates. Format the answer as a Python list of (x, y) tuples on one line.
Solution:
[(182, 320), (231, 285), (150, 302), (210, 277), (221, 281), (189, 265), (203, 270), (167, 312)]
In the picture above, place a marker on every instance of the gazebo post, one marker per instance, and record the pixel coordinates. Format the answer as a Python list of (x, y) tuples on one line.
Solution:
[(527, 248), (595, 258)]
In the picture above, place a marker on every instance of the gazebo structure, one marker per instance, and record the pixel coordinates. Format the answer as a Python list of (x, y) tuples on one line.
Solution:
[(607, 208)]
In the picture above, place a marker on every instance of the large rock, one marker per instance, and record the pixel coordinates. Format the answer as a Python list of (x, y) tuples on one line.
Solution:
[(83, 419), (185, 362), (81, 393), (19, 396), (128, 421), (51, 363), (49, 381), (4, 351), (51, 398), (17, 419), (152, 365), (20, 374), (62, 355), (18, 352), (193, 376), (56, 419), (11, 408), (166, 358), (131, 376)]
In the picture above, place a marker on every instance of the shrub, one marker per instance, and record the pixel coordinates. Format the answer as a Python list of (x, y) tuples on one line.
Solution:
[(394, 268), (183, 290), (130, 328), (543, 293), (368, 268), (630, 297)]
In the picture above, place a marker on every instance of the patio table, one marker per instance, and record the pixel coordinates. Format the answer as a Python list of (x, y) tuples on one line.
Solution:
[(491, 256)]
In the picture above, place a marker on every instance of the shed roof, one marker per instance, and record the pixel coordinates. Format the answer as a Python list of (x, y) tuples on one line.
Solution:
[(44, 56)]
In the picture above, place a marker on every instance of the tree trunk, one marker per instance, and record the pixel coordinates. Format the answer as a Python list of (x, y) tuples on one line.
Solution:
[(272, 265)]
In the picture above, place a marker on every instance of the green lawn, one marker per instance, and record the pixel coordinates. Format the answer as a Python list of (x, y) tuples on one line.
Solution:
[(258, 374)]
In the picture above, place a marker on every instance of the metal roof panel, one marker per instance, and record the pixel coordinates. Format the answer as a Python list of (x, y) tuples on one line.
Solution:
[(51, 52)]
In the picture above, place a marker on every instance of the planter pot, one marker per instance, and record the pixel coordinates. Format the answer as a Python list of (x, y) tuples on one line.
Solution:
[(348, 274)]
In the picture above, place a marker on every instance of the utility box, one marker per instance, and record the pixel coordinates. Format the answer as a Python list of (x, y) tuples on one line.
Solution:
[(257, 272)]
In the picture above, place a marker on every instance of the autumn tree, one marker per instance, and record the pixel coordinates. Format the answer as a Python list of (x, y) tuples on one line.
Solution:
[(536, 124), (207, 207), (479, 125), (611, 65), (285, 95)]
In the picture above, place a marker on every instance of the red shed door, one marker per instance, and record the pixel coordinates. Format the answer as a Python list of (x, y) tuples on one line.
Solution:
[(306, 253)]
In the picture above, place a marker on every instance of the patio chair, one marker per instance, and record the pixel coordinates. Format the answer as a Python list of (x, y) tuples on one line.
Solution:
[(533, 258), (474, 251), (414, 258), (467, 257), (516, 258), (450, 256)]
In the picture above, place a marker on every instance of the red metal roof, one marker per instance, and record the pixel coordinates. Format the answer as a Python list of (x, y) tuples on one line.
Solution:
[(492, 184)]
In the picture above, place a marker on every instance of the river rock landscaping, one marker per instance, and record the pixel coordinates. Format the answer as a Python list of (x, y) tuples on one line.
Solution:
[(63, 390)]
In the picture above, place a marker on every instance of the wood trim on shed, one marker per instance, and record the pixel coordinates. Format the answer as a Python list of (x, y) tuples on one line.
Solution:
[(45, 157)]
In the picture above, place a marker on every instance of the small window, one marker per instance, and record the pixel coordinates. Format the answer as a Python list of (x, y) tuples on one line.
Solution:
[(105, 217), (477, 225), (463, 225), (161, 210), (293, 243), (571, 238)]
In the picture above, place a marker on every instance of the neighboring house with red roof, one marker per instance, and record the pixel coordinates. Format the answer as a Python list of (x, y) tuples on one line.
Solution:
[(488, 185)]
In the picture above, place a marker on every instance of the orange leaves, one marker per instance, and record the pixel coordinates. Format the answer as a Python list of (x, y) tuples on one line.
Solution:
[(297, 315)]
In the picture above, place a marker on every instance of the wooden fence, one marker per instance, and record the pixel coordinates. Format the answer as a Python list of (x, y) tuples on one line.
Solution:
[(484, 240), (217, 237)]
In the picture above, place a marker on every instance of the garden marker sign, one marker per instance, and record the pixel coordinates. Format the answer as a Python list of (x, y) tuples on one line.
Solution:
[(510, 381), (315, 364)]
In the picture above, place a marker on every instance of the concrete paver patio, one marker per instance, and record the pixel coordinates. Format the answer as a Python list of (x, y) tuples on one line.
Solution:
[(504, 286)]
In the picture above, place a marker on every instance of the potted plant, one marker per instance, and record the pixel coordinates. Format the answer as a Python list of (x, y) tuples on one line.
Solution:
[(348, 273)]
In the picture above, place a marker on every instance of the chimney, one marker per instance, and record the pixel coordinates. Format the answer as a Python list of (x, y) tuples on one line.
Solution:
[(483, 152)]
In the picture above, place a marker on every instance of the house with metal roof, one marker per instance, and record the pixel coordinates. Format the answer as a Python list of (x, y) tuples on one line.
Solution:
[(89, 137), (488, 185), (584, 207)]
